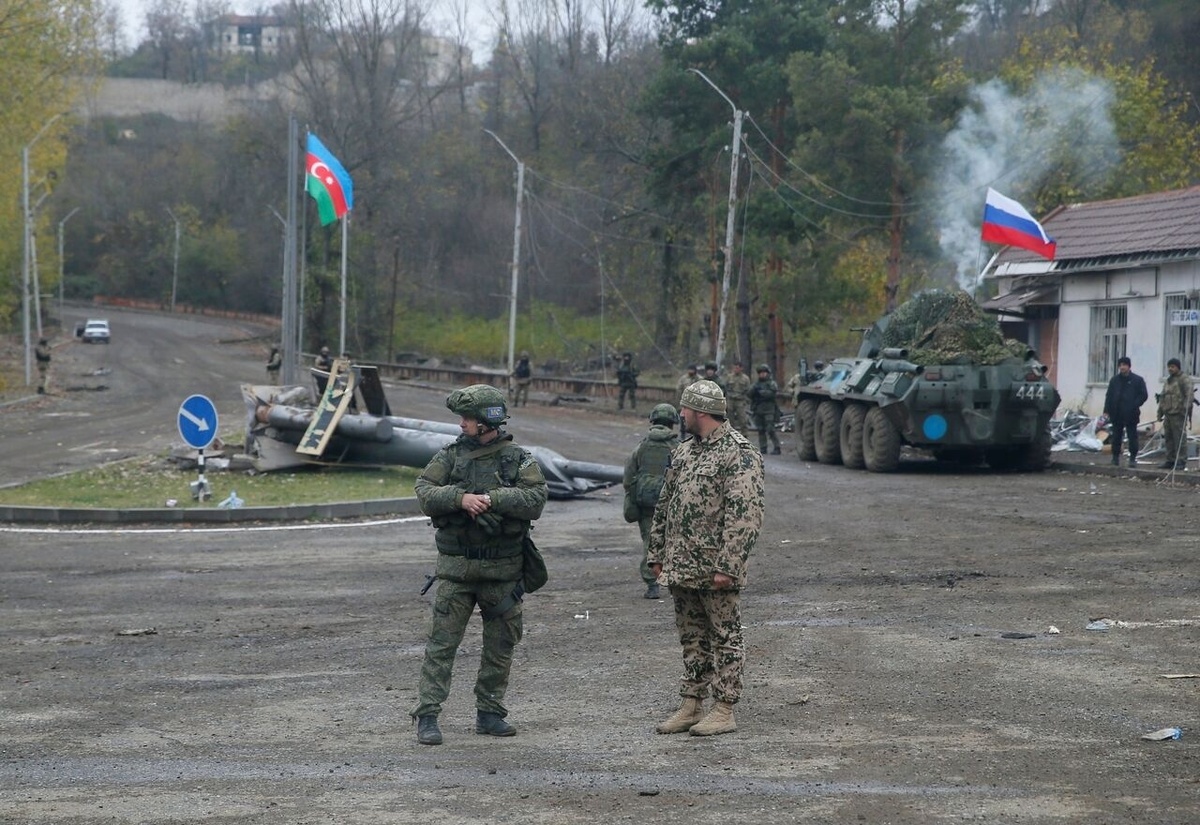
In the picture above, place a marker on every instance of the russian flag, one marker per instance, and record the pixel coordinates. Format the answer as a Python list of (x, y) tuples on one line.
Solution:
[(1007, 222)]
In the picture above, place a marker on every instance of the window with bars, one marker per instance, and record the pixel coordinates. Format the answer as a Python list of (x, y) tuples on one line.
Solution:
[(1108, 341), (1181, 338)]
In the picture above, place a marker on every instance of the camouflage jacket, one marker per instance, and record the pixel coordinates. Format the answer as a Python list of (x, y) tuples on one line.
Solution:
[(684, 382), (502, 470), (737, 388), (1176, 396), (648, 463), (710, 511), (627, 376), (763, 397)]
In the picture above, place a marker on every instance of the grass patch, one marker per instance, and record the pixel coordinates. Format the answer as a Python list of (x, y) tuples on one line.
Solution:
[(149, 482)]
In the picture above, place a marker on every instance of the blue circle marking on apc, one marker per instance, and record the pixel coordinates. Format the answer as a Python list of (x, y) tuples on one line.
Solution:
[(934, 427), (198, 421)]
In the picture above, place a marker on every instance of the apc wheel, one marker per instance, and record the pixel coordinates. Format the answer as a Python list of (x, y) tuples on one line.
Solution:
[(806, 419), (826, 432), (881, 442), (851, 435)]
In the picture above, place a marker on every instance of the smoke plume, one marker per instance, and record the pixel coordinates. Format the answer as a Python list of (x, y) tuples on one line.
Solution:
[(1009, 142)]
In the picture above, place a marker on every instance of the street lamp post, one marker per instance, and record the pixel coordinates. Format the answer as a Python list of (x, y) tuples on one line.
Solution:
[(738, 114), (516, 258), (175, 265), (61, 277), (27, 222)]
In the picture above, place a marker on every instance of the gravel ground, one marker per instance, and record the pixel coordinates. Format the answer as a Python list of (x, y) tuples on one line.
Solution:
[(918, 653)]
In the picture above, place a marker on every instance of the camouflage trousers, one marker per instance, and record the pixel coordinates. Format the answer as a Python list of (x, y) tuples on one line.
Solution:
[(738, 416), (1174, 433), (710, 631), (644, 528), (521, 393), (452, 608), (632, 393), (766, 427)]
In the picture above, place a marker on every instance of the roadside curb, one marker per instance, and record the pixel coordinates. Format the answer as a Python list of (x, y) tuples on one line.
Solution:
[(12, 514), (1148, 473)]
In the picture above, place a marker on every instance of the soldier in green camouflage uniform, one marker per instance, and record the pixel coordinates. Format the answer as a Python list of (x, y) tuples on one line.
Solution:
[(686, 380), (765, 408), (705, 525), (481, 493), (1174, 404), (644, 472), (737, 398)]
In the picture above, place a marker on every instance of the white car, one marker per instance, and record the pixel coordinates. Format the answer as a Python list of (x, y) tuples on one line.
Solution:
[(96, 332)]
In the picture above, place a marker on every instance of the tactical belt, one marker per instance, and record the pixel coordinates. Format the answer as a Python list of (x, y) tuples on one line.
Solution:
[(480, 553)]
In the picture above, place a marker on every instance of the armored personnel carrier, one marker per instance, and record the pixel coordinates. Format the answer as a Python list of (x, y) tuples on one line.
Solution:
[(935, 375)]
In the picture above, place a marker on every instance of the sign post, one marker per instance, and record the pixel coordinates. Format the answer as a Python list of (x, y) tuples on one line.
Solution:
[(197, 424)]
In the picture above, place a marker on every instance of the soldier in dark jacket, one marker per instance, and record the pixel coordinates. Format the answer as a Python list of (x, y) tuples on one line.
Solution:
[(1123, 406), (627, 376), (42, 352), (481, 493), (644, 472)]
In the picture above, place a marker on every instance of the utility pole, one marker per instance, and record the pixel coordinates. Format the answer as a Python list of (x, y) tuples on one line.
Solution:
[(736, 147), (61, 278), (27, 236), (175, 266), (516, 257)]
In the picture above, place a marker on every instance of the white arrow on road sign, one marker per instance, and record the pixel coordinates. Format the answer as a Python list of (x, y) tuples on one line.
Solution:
[(201, 423)]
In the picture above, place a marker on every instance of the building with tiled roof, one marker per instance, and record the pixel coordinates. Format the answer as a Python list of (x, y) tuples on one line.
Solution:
[(1125, 281)]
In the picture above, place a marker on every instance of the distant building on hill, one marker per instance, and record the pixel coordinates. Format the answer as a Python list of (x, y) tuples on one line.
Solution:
[(254, 34)]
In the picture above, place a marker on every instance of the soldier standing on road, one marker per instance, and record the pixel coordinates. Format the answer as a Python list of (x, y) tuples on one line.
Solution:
[(713, 373), (273, 365), (324, 360), (705, 525), (765, 407), (1174, 404), (42, 353), (644, 472), (686, 380), (737, 389), (524, 375), (481, 493), (627, 376), (1123, 405)]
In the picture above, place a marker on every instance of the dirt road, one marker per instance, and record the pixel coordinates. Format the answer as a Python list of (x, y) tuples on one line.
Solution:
[(884, 681)]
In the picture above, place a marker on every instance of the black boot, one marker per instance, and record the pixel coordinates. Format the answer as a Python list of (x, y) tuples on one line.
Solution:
[(492, 724), (428, 732)]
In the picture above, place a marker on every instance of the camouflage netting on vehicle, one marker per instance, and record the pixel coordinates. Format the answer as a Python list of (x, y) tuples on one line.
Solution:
[(948, 327)]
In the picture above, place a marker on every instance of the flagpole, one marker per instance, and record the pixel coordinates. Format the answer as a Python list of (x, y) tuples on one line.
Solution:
[(345, 241)]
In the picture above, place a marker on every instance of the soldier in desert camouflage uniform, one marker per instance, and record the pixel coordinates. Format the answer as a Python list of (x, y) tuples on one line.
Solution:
[(705, 525), (481, 493)]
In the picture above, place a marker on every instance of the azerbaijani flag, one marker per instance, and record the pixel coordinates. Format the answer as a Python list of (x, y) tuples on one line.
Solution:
[(1007, 222), (328, 182)]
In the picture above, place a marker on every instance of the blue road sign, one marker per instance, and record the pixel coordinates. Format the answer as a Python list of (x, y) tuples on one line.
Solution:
[(198, 421)]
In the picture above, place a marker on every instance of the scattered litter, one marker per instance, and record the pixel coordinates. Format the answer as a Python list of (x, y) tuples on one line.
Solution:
[(786, 541), (1180, 676), (1052, 631), (1162, 734), (648, 793), (1099, 624), (1077, 432), (1012, 634), (171, 502), (138, 631), (585, 615), (231, 502)]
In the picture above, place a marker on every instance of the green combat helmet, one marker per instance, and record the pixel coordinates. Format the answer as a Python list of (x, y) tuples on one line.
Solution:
[(704, 396), (764, 368), (664, 414), (482, 402)]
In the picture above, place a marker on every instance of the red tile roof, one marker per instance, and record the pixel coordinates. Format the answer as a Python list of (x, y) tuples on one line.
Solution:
[(1144, 228)]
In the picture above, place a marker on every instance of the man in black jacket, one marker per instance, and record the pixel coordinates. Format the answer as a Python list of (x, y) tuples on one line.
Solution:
[(1123, 404)]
